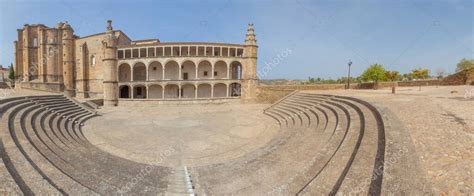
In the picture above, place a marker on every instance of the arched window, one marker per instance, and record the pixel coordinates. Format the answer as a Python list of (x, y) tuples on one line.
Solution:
[(35, 42), (92, 60)]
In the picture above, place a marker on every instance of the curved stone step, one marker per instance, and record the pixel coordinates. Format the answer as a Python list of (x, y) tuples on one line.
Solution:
[(302, 113), (35, 150), (330, 168), (246, 176), (9, 183), (362, 164), (295, 113), (34, 181), (153, 184)]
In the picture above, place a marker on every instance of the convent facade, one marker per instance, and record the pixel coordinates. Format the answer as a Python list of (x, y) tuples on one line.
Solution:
[(111, 66)]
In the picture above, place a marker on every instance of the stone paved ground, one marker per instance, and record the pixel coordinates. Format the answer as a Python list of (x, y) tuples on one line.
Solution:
[(197, 134), (438, 123), (441, 127)]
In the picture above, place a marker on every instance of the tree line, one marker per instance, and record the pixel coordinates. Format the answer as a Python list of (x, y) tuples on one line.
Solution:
[(377, 73)]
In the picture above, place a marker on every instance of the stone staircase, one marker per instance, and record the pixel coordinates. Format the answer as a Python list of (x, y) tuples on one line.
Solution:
[(326, 145), (44, 151)]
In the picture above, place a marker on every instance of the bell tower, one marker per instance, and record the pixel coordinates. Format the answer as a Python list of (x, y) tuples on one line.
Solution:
[(110, 82), (249, 71)]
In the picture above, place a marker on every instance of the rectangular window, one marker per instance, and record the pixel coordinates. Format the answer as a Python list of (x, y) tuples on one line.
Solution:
[(159, 51), (128, 54), (215, 73), (121, 54), (205, 73), (185, 76), (142, 52), (151, 52), (135, 53)]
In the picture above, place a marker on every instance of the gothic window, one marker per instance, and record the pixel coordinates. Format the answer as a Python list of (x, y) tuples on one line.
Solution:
[(35, 42), (93, 60)]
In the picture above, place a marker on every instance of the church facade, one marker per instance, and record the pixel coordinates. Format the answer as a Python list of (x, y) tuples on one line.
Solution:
[(111, 66)]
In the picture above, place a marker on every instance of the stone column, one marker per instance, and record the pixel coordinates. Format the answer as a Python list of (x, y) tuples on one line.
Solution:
[(68, 59), (163, 73), (110, 82), (197, 73), (212, 90), (226, 90), (163, 92), (26, 54), (195, 92)]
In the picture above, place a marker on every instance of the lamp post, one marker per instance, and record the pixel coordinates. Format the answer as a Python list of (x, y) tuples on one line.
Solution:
[(349, 75)]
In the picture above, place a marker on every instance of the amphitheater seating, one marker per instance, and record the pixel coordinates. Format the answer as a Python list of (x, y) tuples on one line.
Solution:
[(43, 151), (326, 145)]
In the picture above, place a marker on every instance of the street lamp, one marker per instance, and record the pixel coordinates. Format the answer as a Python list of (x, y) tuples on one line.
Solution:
[(349, 75)]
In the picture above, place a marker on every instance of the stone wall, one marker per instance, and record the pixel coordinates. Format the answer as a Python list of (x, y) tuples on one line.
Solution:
[(49, 87), (420, 83), (271, 94), (4, 85), (463, 77)]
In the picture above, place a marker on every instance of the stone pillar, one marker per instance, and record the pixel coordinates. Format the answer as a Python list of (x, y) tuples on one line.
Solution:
[(18, 62), (212, 71), (197, 72), (110, 81), (68, 59), (163, 73), (226, 90), (147, 92), (42, 72), (26, 54), (52, 54), (249, 68), (212, 91), (163, 92), (195, 92)]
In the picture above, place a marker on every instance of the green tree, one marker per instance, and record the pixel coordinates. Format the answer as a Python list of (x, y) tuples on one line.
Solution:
[(407, 76), (465, 64), (393, 75), (11, 73), (374, 73), (420, 73)]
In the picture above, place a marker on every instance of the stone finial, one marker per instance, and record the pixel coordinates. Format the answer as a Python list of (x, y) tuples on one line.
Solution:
[(109, 25), (66, 25), (250, 37), (60, 25)]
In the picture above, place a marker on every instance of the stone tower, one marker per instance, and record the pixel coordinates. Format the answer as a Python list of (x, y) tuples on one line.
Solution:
[(110, 82), (249, 71), (68, 58)]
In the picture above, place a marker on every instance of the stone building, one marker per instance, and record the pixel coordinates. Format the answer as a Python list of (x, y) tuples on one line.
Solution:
[(3, 73), (111, 66)]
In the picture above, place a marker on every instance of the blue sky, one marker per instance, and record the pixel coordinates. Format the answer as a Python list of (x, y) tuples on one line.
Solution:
[(322, 35)]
